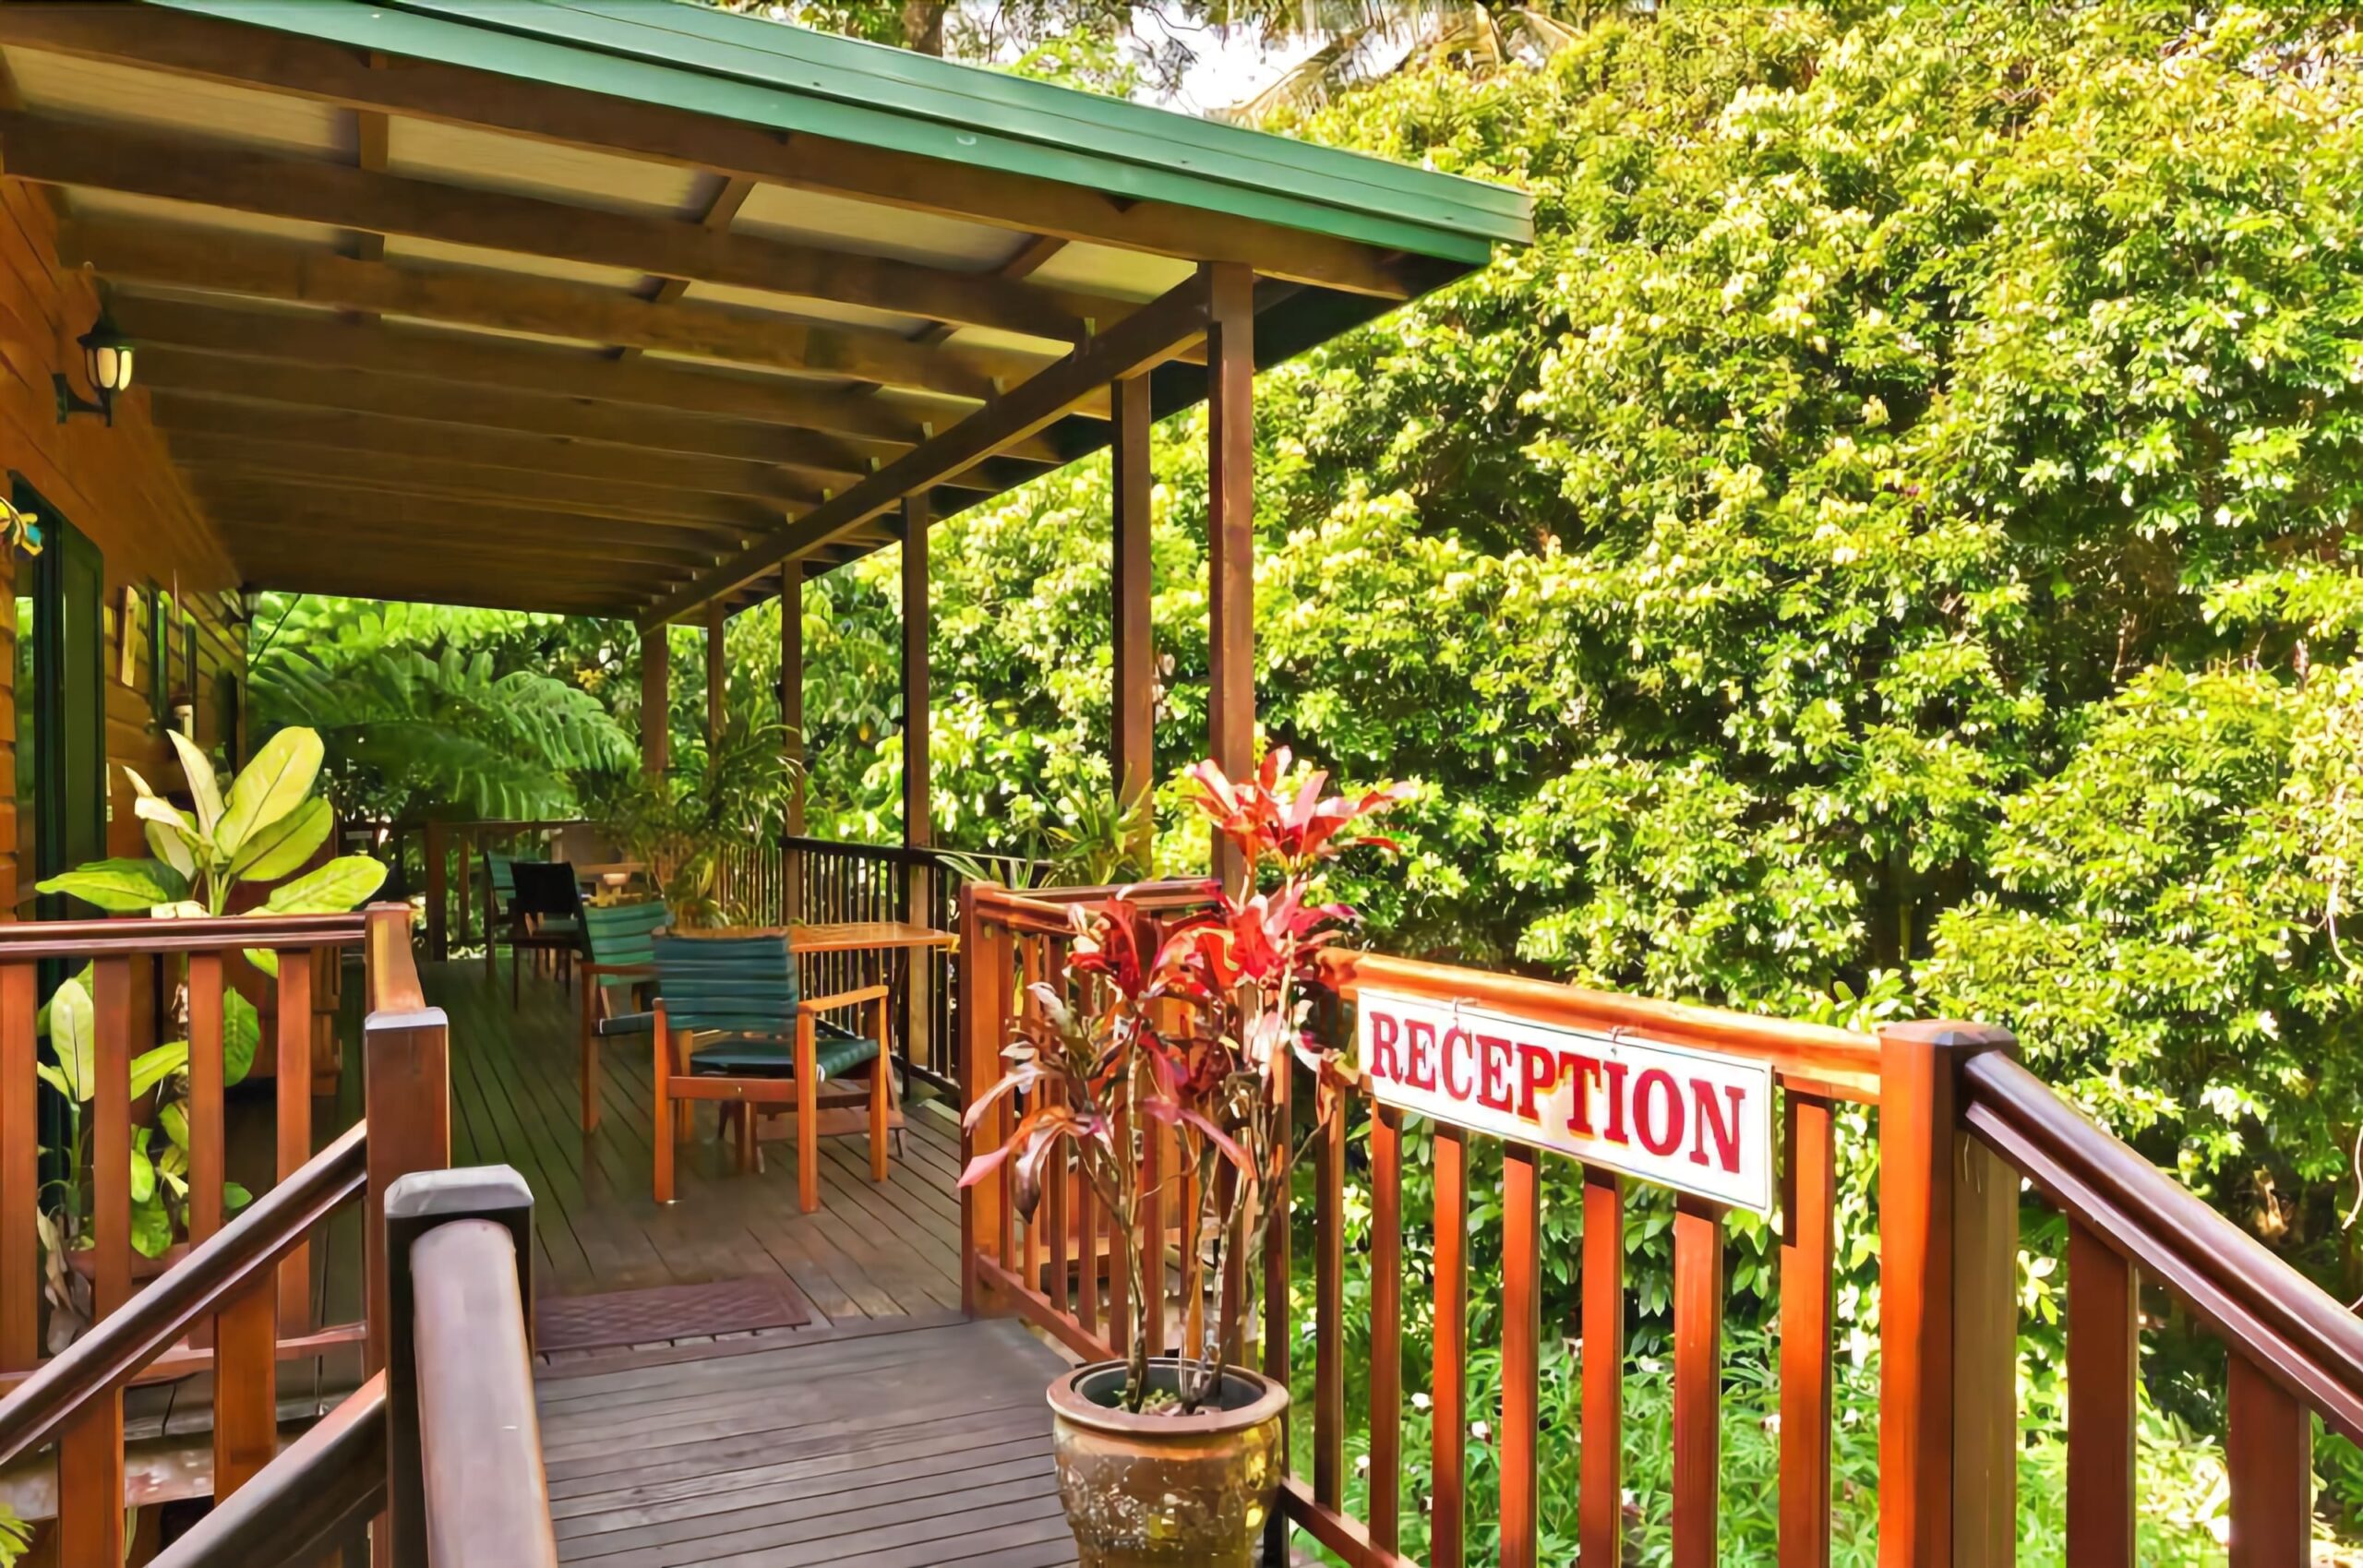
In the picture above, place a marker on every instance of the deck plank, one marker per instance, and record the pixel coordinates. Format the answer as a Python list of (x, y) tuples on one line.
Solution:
[(888, 1433)]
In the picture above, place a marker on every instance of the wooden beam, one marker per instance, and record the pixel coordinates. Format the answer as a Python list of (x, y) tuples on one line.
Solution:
[(718, 674), (214, 50), (348, 523), (1133, 742), (259, 544), (242, 179), (267, 270), (830, 460), (318, 337), (181, 415), (230, 464), (719, 214), (1230, 533), (1138, 342), (655, 702), (791, 686), (309, 575), (919, 794)]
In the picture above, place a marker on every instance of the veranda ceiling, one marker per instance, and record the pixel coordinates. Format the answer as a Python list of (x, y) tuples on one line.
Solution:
[(612, 307)]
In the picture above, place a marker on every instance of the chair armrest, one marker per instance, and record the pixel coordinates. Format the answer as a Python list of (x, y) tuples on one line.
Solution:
[(842, 999), (640, 969)]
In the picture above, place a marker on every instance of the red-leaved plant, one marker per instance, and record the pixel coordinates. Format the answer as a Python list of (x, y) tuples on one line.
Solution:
[(1191, 1023)]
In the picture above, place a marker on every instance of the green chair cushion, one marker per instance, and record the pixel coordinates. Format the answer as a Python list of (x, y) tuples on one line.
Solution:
[(623, 934), (752, 1055), (734, 985)]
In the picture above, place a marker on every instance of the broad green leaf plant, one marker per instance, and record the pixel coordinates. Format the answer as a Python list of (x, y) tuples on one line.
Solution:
[(261, 827)]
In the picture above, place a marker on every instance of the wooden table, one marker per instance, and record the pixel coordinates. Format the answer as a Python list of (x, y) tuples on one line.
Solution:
[(844, 936), (889, 944)]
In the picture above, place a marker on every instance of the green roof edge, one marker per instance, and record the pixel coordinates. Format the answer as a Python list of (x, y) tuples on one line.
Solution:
[(915, 103)]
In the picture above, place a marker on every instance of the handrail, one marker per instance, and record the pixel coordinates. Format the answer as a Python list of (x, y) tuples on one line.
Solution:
[(2292, 1329), (218, 1268), (393, 968), (88, 939), (1051, 911), (299, 1503), (487, 1493), (1839, 1062)]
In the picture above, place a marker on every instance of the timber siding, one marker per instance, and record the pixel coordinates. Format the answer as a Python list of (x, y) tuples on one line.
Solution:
[(119, 488)]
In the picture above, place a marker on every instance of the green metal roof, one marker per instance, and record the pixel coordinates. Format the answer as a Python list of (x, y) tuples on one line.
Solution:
[(790, 78)]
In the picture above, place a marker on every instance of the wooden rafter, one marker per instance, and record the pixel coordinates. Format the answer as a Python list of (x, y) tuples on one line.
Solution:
[(339, 429), (1139, 342), (827, 460), (367, 201), (230, 459), (318, 337), (151, 254), (480, 516), (214, 50)]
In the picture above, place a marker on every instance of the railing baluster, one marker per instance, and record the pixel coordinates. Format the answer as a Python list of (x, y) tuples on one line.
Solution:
[(206, 1083), (19, 1171), (1120, 1282), (1277, 1270), (1808, 1198), (1698, 1379), (1449, 1390), (294, 1095), (1029, 961), (985, 947), (245, 1386), (2269, 1450), (110, 1136), (90, 1485), (2104, 1343), (1385, 1326), (1521, 1352), (1151, 1240), (1328, 1310), (1601, 1508)]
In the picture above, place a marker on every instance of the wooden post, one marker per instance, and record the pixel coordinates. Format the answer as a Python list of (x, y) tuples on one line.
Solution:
[(1949, 1311), (508, 1459), (791, 714), (407, 1058), (655, 702), (439, 937), (1231, 530), (1132, 761), (918, 806), (717, 671)]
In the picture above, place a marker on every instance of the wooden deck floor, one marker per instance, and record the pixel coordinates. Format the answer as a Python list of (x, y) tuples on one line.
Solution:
[(870, 1251), (888, 1433)]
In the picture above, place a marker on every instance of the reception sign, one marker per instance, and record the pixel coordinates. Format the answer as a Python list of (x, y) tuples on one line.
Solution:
[(1697, 1121)]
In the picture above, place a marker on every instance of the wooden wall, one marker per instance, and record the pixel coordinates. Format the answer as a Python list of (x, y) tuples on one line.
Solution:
[(117, 485)]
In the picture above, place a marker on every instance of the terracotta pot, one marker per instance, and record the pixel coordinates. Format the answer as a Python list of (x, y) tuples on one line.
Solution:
[(1144, 1490)]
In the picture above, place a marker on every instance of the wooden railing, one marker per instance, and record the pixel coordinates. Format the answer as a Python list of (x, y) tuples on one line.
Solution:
[(1959, 1121), (136, 968), (221, 1304)]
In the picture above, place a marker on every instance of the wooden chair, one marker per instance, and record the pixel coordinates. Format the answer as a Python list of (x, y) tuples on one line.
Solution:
[(619, 967), (731, 1028), (499, 899), (545, 918)]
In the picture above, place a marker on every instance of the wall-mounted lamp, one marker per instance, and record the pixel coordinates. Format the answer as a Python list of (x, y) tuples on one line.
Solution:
[(106, 364)]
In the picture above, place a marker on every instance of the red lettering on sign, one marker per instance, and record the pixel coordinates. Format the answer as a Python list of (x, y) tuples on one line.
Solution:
[(1711, 1119), (1660, 1130), (1457, 1084), (1538, 1073), (1615, 1132), (1423, 1053), (1493, 1071), (1585, 1071), (1384, 1033)]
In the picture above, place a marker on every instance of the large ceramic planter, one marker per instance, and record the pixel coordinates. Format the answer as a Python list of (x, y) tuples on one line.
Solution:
[(1149, 1490)]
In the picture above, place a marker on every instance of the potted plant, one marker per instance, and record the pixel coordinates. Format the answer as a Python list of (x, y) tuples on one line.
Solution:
[(1189, 1023), (684, 825)]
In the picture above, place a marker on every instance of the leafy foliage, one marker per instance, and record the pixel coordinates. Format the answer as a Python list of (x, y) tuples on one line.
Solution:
[(426, 707), (683, 824)]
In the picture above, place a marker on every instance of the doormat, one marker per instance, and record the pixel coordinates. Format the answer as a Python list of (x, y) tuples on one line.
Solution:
[(669, 1311)]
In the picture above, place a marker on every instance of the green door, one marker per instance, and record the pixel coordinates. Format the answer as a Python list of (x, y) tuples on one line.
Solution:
[(61, 702)]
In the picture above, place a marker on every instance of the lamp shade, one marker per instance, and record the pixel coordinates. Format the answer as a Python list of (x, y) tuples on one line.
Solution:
[(106, 358)]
